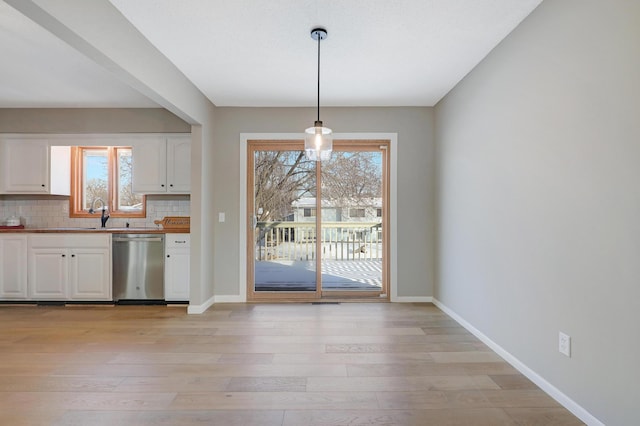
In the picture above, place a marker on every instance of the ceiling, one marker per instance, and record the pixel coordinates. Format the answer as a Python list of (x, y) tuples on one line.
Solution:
[(40, 71), (260, 53)]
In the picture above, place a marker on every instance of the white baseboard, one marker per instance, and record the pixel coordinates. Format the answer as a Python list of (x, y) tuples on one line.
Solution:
[(230, 299), (411, 299), (200, 309), (242, 299), (553, 392)]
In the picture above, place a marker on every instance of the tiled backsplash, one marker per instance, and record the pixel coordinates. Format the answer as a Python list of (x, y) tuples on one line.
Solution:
[(53, 212)]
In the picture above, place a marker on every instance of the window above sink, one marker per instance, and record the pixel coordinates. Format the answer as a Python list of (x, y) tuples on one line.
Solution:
[(104, 173)]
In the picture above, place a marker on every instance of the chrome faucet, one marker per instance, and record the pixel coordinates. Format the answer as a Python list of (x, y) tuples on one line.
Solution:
[(103, 217)]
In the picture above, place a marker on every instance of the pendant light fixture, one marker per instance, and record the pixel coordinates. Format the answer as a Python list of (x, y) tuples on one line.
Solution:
[(318, 141)]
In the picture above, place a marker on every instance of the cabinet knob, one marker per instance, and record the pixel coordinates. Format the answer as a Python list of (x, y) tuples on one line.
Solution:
[(168, 255), (43, 185), (73, 255), (64, 255), (171, 185), (162, 185)]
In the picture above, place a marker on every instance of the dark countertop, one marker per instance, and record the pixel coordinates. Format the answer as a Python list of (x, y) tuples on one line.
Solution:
[(81, 230)]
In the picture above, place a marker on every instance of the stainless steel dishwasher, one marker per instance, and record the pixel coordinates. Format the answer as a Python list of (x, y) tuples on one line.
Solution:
[(138, 268)]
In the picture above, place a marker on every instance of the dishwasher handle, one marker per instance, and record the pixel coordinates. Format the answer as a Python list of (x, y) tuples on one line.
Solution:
[(141, 240)]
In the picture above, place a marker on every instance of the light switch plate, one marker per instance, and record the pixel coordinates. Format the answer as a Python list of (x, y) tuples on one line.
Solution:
[(564, 344), (221, 217)]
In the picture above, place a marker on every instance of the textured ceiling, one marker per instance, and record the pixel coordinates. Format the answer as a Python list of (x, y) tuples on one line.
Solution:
[(378, 52), (259, 53)]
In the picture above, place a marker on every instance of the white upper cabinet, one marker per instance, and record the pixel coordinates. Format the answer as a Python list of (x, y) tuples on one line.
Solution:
[(33, 166), (179, 164), (149, 157), (162, 165), (41, 164)]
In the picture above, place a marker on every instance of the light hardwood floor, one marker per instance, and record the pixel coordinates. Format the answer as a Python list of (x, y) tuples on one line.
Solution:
[(262, 364)]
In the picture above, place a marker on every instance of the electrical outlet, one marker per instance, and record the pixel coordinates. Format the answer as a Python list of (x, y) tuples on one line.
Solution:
[(564, 344)]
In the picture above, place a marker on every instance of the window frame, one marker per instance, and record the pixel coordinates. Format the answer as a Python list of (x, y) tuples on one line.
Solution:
[(76, 209), (357, 212)]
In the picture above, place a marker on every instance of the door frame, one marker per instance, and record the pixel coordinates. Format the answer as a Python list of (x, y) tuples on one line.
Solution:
[(391, 273)]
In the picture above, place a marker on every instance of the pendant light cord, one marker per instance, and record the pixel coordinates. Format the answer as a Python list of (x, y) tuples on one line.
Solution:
[(319, 38)]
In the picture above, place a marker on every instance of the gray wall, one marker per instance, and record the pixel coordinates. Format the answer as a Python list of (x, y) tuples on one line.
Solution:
[(539, 206), (95, 120), (415, 182)]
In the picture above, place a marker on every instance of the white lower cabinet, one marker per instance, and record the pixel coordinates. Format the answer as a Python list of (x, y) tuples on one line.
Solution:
[(90, 274), (48, 273), (69, 267), (13, 266), (176, 267)]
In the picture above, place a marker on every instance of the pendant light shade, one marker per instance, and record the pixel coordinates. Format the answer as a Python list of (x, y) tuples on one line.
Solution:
[(318, 141)]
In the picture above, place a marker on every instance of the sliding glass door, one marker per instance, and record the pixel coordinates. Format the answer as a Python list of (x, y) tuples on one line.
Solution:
[(352, 220), (283, 245), (317, 229)]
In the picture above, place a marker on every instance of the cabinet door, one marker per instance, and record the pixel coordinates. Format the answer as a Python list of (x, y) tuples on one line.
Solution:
[(13, 267), (149, 159), (177, 266), (177, 275), (179, 164), (48, 272), (25, 164), (90, 274)]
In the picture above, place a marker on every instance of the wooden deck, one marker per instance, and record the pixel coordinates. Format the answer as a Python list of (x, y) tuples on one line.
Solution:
[(339, 275)]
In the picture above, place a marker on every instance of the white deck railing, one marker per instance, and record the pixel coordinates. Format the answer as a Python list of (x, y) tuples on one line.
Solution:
[(297, 241)]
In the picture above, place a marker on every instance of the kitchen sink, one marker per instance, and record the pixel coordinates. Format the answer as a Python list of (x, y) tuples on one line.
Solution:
[(90, 228)]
